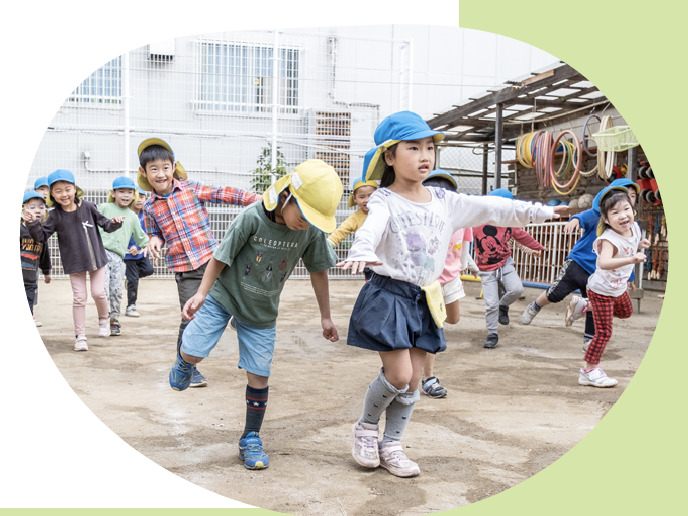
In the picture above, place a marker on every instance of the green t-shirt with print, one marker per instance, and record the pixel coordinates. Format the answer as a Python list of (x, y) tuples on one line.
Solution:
[(260, 256)]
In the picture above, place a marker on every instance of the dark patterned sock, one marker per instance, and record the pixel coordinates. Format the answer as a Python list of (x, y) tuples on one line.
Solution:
[(256, 402)]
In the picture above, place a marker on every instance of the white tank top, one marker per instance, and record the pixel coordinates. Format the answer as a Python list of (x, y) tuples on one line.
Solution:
[(614, 282)]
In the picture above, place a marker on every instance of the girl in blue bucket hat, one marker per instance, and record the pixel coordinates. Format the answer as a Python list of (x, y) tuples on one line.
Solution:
[(76, 223), (399, 313)]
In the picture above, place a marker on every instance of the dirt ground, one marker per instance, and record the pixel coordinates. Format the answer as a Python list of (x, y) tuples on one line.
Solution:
[(510, 411)]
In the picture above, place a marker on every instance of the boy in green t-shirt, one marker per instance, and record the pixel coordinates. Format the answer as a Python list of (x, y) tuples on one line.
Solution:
[(245, 277), (120, 199)]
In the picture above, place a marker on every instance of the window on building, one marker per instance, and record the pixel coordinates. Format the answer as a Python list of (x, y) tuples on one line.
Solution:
[(104, 86), (239, 77)]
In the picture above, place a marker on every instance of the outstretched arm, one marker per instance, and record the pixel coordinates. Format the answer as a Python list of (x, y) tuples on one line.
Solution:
[(321, 288)]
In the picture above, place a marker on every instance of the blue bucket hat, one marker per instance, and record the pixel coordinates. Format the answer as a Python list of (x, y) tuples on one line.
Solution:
[(41, 181), (395, 128), (625, 182), (62, 175), (32, 194), (502, 192), (124, 182), (438, 172)]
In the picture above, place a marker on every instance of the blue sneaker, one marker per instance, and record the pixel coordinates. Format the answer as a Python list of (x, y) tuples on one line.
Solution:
[(251, 452), (180, 374), (197, 379)]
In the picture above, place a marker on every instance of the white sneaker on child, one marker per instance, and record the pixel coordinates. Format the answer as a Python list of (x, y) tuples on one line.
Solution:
[(80, 343), (365, 450), (596, 378), (104, 328), (393, 459), (575, 310)]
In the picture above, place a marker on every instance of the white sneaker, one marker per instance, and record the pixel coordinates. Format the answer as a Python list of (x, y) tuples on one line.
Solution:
[(596, 378), (575, 310), (80, 343), (37, 323), (131, 311), (393, 459), (529, 314), (365, 449), (104, 328)]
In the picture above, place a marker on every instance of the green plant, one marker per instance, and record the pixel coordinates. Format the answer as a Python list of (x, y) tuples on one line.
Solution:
[(264, 173)]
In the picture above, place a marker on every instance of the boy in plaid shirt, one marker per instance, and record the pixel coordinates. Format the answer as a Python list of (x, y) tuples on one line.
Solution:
[(175, 215)]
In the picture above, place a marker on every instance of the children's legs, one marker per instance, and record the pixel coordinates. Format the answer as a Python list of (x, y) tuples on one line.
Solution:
[(132, 275), (31, 290), (512, 283), (98, 292), (114, 275), (256, 402), (79, 296), (187, 285), (399, 411), (602, 312), (429, 365), (453, 313), (491, 298)]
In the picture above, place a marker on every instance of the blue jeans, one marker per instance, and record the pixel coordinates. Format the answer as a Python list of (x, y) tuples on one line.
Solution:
[(256, 345)]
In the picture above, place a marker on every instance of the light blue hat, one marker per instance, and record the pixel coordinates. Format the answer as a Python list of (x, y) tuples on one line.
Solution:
[(124, 182), (438, 172), (62, 175), (32, 194), (502, 192), (395, 128), (41, 181)]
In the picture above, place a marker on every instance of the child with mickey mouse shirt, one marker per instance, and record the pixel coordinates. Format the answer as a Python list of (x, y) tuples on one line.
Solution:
[(496, 265)]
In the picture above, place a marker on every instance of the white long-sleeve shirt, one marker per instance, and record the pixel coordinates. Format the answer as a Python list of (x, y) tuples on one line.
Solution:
[(411, 239)]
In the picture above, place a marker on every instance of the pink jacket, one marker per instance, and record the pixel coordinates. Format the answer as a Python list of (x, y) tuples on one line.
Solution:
[(492, 248)]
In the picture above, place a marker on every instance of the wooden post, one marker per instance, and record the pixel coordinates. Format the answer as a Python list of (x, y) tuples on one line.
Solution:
[(498, 146)]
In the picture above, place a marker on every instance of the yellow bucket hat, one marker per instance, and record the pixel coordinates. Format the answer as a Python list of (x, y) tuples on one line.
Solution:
[(317, 189), (358, 183), (179, 171)]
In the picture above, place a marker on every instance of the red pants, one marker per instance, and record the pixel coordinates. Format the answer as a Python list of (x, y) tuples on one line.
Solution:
[(604, 309)]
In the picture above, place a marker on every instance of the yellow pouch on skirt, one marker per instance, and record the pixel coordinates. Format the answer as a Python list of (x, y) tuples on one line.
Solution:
[(435, 300)]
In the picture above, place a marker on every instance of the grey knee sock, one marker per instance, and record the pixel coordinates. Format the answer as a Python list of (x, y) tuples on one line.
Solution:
[(398, 415), (379, 395)]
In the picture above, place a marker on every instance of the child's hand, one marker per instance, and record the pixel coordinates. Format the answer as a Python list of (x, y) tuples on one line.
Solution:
[(632, 286), (644, 244), (46, 278), (329, 331), (133, 250), (154, 247), (356, 267), (571, 225), (192, 306), (559, 210), (537, 253), (638, 258), (28, 217), (117, 220)]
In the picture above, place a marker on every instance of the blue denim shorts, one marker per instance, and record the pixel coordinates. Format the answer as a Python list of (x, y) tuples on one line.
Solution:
[(256, 345), (391, 314)]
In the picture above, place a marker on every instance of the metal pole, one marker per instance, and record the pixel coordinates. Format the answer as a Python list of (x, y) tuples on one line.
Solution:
[(275, 101), (484, 186), (498, 147), (125, 102)]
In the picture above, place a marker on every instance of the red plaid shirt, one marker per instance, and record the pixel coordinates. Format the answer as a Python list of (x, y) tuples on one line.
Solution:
[(181, 221)]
